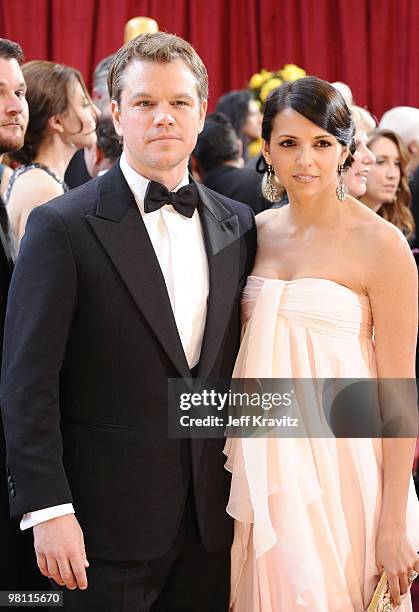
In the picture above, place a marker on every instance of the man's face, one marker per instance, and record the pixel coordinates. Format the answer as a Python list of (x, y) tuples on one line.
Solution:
[(160, 115), (14, 113)]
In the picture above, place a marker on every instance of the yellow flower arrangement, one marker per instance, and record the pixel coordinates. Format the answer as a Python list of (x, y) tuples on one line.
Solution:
[(268, 86), (259, 79), (262, 83), (291, 72)]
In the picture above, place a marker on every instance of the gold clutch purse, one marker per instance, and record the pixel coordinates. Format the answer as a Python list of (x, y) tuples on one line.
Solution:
[(381, 600)]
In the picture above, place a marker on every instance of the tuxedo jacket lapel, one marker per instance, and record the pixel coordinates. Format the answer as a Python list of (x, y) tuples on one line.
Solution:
[(119, 227), (221, 234)]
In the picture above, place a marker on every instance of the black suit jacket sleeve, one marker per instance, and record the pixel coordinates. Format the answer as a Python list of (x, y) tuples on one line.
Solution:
[(41, 304)]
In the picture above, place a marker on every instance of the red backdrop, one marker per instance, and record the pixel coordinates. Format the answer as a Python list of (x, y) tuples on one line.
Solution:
[(373, 45)]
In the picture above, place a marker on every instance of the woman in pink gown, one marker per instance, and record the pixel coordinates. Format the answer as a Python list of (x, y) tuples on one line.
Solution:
[(333, 294)]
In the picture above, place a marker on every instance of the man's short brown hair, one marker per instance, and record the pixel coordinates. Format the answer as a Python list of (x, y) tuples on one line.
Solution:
[(156, 47), (9, 49)]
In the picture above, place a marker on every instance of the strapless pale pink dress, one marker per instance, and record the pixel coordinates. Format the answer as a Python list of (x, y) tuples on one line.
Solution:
[(306, 510)]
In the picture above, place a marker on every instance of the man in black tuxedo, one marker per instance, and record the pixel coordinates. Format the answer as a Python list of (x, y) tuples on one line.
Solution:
[(120, 285)]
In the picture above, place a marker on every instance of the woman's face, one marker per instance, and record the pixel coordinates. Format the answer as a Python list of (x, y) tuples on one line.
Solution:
[(357, 175), (252, 127), (79, 121), (384, 176), (305, 157)]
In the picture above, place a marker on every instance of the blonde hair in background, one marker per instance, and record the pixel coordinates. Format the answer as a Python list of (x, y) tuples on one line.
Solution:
[(345, 90), (362, 118), (404, 120)]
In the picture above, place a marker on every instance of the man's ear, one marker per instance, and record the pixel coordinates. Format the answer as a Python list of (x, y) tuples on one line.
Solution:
[(92, 158), (413, 147), (203, 106), (116, 117), (99, 156)]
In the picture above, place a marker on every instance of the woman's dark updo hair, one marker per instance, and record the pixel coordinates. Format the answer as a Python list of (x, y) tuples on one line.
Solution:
[(319, 102)]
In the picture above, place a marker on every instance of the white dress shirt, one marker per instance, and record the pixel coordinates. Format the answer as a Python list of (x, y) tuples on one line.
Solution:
[(178, 242)]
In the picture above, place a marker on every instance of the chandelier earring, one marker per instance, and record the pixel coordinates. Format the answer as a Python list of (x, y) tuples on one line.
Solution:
[(271, 187), (341, 190)]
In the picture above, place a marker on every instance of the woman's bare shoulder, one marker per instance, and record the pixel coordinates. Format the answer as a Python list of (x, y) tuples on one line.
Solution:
[(271, 220), (381, 243), (369, 225), (32, 188)]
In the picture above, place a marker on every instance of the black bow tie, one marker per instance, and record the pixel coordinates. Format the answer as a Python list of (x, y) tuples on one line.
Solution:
[(184, 201)]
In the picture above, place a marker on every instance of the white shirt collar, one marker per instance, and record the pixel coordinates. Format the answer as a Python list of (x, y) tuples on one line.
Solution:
[(138, 184)]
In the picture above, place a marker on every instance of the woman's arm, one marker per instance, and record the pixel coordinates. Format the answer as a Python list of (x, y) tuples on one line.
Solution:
[(393, 292)]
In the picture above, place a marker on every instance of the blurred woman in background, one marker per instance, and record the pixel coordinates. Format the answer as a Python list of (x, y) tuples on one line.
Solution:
[(388, 192), (62, 119)]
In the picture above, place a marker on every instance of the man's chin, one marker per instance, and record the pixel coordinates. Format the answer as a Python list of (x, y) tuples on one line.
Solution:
[(8, 145), (168, 162)]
